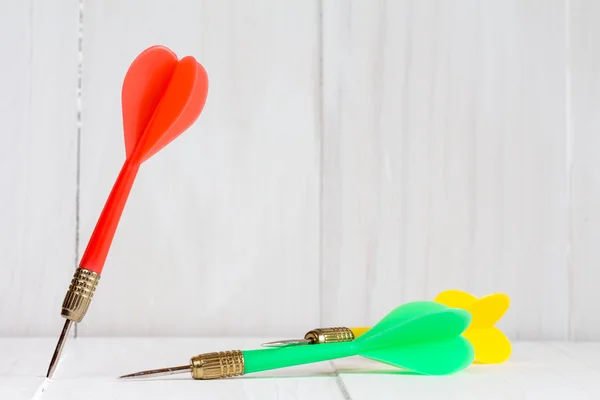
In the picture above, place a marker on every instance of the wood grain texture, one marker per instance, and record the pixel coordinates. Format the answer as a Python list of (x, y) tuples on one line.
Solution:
[(38, 162), (221, 231), (584, 142), (444, 158)]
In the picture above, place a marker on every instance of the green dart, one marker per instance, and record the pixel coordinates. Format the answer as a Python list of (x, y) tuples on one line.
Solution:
[(423, 337)]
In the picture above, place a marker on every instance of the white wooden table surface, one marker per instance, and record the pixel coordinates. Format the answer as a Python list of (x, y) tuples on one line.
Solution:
[(89, 368)]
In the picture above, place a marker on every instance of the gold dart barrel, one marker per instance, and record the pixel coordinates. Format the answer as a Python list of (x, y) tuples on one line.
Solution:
[(74, 307), (79, 295), (329, 335), (318, 336), (217, 365), (222, 364)]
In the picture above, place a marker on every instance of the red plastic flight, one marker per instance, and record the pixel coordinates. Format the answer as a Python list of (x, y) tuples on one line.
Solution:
[(161, 98)]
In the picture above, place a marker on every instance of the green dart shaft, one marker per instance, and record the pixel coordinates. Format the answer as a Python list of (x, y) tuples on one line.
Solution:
[(266, 359)]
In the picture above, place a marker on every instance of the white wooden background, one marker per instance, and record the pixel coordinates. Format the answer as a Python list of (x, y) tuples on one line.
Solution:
[(353, 155)]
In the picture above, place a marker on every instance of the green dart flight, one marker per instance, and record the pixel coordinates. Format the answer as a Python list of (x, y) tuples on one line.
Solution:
[(423, 337)]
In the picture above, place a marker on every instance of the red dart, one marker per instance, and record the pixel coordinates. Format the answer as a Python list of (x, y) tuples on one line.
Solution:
[(161, 98)]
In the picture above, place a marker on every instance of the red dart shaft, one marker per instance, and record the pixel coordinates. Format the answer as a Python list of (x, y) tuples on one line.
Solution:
[(98, 246), (85, 280)]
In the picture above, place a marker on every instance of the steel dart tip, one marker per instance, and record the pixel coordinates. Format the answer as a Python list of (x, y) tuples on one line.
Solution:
[(286, 343), (158, 372), (59, 348)]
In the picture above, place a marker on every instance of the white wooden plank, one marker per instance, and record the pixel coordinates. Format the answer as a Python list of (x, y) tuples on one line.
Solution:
[(444, 158), (550, 370), (221, 231), (20, 388), (535, 371), (584, 61), (98, 361), (38, 162), (285, 389), (23, 364), (585, 353)]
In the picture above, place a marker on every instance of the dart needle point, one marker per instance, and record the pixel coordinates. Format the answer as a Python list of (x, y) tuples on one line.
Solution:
[(59, 348), (273, 344), (158, 372), (286, 343)]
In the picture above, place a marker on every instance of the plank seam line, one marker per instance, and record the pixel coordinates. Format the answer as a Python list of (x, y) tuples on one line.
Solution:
[(340, 382), (79, 111), (321, 104)]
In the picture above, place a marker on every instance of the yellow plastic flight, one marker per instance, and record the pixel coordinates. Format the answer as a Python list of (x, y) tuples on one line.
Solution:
[(490, 344)]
